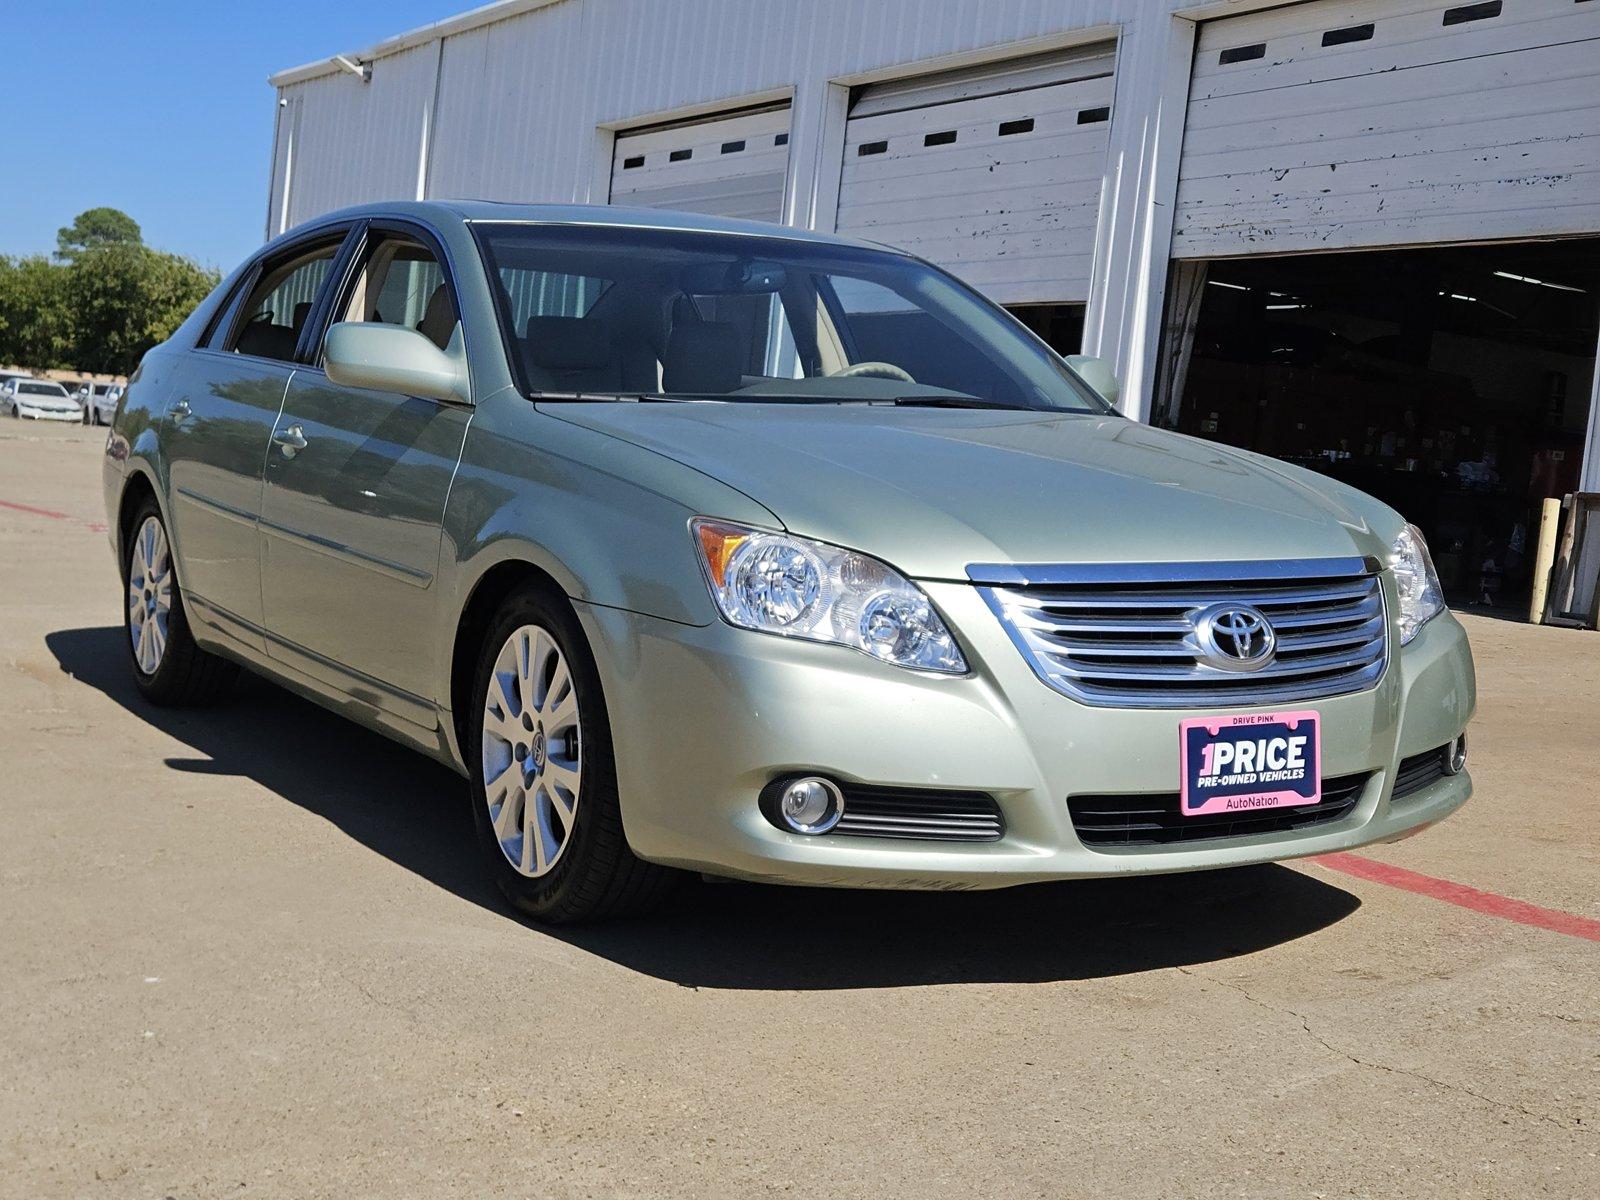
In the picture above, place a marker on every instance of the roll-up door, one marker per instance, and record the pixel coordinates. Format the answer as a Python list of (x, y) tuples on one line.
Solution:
[(730, 166), (1337, 125), (993, 173)]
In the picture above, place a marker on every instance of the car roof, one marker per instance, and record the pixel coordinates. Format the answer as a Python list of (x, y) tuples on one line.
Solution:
[(598, 215)]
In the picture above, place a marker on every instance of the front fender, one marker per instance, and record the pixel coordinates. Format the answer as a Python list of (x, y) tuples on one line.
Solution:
[(607, 520)]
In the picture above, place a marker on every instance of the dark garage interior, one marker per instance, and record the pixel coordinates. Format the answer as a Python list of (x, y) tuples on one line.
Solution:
[(1454, 383)]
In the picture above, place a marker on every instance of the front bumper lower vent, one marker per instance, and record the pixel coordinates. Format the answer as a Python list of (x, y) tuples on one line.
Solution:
[(1420, 771), (1128, 636), (1152, 819), (932, 816)]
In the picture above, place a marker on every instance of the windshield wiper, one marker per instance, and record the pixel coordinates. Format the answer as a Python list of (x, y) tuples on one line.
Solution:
[(616, 397), (933, 401)]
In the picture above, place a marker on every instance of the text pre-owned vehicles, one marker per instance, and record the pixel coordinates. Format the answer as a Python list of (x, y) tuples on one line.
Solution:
[(39, 399), (98, 401), (720, 546)]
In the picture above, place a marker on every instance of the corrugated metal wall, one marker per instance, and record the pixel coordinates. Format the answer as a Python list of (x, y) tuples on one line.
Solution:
[(352, 141), (519, 101)]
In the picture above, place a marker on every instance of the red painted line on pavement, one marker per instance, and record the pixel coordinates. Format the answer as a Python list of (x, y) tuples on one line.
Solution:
[(93, 526), (1463, 896)]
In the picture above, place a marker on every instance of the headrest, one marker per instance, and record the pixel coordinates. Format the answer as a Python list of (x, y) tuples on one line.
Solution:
[(439, 318), (301, 312), (568, 343), (703, 356)]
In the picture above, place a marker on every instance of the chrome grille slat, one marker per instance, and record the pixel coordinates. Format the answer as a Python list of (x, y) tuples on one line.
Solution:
[(1183, 599), (1125, 637)]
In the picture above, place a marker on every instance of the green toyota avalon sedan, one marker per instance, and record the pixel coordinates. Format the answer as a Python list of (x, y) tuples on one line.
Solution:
[(717, 546)]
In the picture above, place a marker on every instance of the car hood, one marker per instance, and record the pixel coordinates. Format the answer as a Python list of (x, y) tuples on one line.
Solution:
[(48, 403), (934, 491)]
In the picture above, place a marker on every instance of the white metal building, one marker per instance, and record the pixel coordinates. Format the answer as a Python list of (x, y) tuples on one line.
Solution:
[(1140, 166)]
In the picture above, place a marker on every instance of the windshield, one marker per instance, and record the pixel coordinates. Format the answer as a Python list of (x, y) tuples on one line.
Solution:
[(603, 312), (43, 389)]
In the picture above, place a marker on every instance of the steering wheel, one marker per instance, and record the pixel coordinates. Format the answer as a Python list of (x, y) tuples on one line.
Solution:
[(871, 370)]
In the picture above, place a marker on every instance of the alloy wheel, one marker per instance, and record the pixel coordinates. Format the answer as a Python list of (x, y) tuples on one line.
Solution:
[(149, 595), (532, 751)]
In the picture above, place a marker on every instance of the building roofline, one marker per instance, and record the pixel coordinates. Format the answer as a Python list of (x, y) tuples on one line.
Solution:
[(487, 14)]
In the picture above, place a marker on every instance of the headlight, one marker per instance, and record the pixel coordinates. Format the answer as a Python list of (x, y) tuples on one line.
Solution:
[(792, 586), (1421, 597)]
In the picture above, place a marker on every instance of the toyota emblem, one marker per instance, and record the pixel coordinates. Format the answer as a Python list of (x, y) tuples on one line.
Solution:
[(1234, 637)]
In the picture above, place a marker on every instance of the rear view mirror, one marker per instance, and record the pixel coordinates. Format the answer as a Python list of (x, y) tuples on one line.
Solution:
[(392, 358), (747, 277), (1097, 373)]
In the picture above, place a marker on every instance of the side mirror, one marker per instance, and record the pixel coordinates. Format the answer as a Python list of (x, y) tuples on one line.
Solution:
[(1097, 373), (392, 358)]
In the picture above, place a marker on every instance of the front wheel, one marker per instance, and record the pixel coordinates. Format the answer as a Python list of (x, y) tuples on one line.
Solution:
[(168, 666), (544, 787)]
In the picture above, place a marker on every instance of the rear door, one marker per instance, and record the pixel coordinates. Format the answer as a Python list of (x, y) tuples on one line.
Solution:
[(224, 401), (356, 484)]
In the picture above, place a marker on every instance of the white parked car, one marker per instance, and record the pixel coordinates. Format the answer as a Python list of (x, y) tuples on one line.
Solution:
[(98, 402), (39, 399)]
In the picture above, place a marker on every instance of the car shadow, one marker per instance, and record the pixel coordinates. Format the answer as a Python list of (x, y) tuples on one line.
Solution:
[(412, 811)]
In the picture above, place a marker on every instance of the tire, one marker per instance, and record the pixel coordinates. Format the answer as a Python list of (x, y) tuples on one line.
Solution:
[(168, 666), (550, 802)]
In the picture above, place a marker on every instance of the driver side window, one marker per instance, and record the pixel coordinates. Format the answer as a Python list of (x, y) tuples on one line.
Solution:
[(402, 283)]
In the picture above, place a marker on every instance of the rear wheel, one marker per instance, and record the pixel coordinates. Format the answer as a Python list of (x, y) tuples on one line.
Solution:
[(544, 789), (168, 666)]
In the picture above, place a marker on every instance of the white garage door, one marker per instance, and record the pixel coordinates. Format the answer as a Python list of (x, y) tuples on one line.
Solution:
[(732, 166), (994, 174), (1332, 125)]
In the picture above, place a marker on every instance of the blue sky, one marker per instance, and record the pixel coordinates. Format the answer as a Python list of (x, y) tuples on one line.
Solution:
[(161, 108)]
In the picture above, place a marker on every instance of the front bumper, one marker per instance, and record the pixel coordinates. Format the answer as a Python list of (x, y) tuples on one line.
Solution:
[(703, 716), (48, 414)]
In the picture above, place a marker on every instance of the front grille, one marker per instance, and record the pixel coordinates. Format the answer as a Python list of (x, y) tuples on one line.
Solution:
[(1419, 771), (932, 815), (1127, 636), (1153, 819)]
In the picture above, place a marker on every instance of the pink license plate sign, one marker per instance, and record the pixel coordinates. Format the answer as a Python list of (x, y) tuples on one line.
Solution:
[(1250, 761)]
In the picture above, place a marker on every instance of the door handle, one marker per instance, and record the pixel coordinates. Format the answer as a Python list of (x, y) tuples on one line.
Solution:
[(181, 411), (291, 440)]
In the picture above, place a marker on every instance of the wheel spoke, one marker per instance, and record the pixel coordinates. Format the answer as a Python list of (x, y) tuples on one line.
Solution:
[(536, 658), (509, 817), (534, 825), (564, 715), (504, 684), (562, 781), (560, 690), (499, 725)]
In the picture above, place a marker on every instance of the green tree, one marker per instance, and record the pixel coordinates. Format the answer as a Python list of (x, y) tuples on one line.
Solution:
[(124, 299), (94, 228), (35, 322)]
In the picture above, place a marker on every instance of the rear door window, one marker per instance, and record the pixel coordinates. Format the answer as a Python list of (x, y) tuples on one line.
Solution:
[(281, 301)]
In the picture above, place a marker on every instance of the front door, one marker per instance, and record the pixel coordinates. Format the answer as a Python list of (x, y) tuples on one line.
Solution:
[(351, 515)]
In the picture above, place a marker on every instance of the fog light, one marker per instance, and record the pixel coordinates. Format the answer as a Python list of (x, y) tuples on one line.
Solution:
[(810, 805), (1455, 760)]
